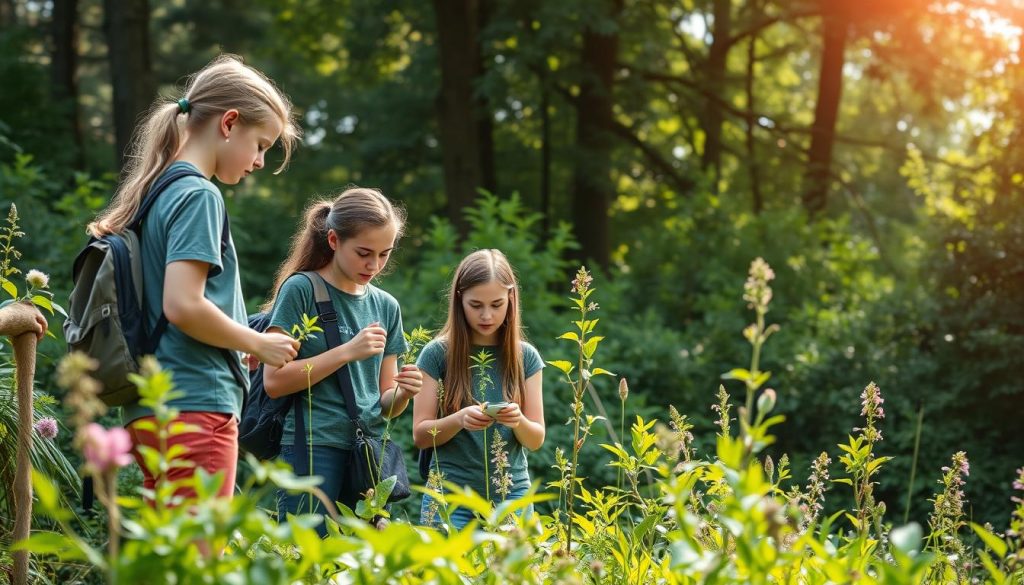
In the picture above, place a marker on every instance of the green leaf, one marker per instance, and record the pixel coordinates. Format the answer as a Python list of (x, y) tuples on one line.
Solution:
[(737, 374), (601, 371), (997, 575), (51, 543), (45, 491), (761, 379), (44, 302), (563, 365), (996, 544), (59, 309), (571, 335), (10, 288), (591, 346)]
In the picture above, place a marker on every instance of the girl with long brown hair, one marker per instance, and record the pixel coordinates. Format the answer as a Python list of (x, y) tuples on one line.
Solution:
[(347, 241), (484, 322)]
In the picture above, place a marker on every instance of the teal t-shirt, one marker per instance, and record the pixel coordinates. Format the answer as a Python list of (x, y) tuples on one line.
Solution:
[(185, 223), (331, 426), (461, 458)]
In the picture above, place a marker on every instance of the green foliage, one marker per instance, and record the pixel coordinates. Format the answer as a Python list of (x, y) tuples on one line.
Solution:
[(724, 517)]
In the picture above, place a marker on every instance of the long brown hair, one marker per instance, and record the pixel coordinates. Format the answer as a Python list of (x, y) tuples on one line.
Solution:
[(355, 210), (481, 267), (226, 83)]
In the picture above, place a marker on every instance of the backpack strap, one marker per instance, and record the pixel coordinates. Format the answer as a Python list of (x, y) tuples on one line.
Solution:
[(329, 317), (153, 340), (159, 186)]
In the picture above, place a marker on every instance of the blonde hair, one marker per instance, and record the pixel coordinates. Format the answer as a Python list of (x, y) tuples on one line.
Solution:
[(481, 267), (355, 210), (225, 83)]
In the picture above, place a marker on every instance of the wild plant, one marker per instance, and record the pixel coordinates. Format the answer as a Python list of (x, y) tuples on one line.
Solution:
[(482, 361), (414, 342), (945, 522), (861, 464), (578, 377), (302, 332)]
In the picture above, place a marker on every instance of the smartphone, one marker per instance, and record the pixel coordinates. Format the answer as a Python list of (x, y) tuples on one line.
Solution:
[(492, 408)]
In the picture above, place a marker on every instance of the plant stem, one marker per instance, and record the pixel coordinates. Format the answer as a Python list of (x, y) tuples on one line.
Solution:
[(622, 434), (309, 400), (913, 465), (755, 362)]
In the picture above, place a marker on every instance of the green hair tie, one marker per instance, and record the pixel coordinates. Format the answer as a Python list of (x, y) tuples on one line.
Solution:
[(184, 106)]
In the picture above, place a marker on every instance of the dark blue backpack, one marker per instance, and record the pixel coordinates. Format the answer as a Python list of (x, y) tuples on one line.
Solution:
[(262, 423)]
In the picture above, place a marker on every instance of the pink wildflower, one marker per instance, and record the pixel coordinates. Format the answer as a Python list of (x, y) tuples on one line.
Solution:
[(106, 449), (46, 427)]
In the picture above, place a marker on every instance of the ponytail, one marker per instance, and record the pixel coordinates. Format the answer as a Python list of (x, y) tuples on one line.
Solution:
[(226, 83), (309, 249), (151, 151), (355, 210)]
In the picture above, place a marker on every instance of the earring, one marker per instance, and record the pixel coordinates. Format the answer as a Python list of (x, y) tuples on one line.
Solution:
[(227, 140)]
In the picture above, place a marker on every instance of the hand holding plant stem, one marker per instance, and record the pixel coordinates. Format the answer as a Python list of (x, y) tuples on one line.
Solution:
[(414, 342), (481, 362), (302, 332)]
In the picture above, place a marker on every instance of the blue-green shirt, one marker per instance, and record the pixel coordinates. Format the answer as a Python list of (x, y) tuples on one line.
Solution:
[(185, 223), (331, 426), (462, 457)]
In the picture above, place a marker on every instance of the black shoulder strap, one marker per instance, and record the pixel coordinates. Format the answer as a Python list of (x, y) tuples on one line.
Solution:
[(329, 318), (159, 186)]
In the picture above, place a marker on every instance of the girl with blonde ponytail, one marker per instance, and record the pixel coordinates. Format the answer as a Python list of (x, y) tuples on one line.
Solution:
[(221, 126)]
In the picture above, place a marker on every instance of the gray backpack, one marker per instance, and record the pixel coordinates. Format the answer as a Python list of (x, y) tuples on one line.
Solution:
[(105, 313)]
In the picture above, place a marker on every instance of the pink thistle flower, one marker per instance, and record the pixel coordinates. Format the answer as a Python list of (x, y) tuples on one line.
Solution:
[(106, 449), (46, 427)]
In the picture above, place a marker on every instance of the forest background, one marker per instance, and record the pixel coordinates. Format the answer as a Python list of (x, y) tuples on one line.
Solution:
[(869, 150)]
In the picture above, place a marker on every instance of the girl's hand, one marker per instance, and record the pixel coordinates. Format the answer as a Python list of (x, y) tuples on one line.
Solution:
[(368, 342), (473, 418), (510, 416), (410, 379), (276, 349)]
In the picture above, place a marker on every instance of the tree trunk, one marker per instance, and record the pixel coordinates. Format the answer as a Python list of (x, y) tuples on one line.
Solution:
[(64, 70), (753, 170), (592, 184), (465, 141), (715, 74), (484, 120), (131, 72), (835, 31), (8, 16)]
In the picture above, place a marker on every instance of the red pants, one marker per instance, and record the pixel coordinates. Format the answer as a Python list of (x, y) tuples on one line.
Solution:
[(213, 446)]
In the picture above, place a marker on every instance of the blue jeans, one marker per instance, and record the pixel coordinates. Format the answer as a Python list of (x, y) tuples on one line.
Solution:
[(331, 464), (461, 516)]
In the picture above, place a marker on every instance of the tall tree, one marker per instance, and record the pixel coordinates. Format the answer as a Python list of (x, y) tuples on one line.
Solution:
[(64, 69), (592, 181), (126, 24), (835, 30), (754, 7), (466, 131), (715, 70), (8, 17)]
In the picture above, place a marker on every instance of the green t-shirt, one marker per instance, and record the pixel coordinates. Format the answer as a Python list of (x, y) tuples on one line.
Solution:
[(185, 223), (461, 458), (331, 426)]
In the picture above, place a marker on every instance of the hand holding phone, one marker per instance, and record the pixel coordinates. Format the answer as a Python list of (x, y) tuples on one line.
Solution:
[(492, 408)]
